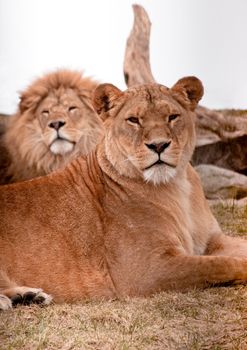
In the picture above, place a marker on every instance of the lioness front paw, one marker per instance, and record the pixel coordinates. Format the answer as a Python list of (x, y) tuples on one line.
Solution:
[(27, 296), (5, 303)]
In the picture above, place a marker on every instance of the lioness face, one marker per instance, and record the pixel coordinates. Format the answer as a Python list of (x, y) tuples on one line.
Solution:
[(149, 129), (64, 121)]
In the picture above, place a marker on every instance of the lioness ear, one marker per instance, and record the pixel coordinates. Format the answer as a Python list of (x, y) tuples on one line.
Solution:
[(188, 91), (104, 97)]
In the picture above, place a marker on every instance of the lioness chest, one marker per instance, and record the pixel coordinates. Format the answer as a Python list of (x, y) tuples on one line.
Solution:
[(141, 233)]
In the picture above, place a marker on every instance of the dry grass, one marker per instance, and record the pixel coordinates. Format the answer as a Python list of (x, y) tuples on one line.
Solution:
[(214, 318)]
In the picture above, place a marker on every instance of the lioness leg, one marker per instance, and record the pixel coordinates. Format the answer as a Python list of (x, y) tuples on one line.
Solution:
[(186, 272), (11, 294), (227, 246)]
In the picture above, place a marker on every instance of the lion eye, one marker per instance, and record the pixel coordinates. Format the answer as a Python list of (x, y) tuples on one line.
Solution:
[(133, 120), (72, 108), (173, 117), (45, 112)]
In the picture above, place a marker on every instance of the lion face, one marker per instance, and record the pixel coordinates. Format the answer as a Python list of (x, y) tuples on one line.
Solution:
[(63, 122), (55, 123), (149, 129)]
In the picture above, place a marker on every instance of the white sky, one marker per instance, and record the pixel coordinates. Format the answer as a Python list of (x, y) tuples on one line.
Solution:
[(206, 38)]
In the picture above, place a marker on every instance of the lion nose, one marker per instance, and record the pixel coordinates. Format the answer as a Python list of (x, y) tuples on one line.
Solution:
[(56, 124), (158, 147)]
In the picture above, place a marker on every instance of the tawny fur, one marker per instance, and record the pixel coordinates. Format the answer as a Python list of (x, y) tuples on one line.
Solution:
[(29, 147), (99, 228)]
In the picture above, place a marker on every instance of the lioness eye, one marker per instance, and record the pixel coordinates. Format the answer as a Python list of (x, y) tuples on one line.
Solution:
[(173, 117), (45, 112), (72, 108), (133, 120)]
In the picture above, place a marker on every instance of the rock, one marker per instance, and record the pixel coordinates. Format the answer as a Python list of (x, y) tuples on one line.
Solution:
[(220, 183), (221, 139), (231, 155), (225, 125)]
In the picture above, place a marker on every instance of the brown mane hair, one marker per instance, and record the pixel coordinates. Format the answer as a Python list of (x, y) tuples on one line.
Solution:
[(55, 81), (25, 145)]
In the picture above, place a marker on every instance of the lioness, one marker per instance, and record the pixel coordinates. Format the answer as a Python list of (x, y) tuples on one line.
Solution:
[(54, 124), (129, 219)]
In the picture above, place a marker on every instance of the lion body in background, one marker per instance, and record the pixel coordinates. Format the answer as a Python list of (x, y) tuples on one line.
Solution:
[(130, 219), (54, 124)]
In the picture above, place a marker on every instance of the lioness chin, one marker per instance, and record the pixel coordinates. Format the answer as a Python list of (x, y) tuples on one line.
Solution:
[(130, 219)]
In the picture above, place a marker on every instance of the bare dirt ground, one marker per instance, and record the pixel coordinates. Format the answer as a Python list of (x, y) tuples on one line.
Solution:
[(214, 318)]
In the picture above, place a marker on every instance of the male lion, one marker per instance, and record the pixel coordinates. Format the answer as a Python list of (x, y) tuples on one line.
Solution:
[(129, 219), (54, 124)]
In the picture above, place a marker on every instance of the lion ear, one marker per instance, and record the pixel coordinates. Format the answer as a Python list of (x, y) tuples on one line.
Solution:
[(104, 98), (188, 91)]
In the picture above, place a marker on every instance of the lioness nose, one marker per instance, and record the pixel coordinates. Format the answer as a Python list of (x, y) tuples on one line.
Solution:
[(158, 147), (57, 124)]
